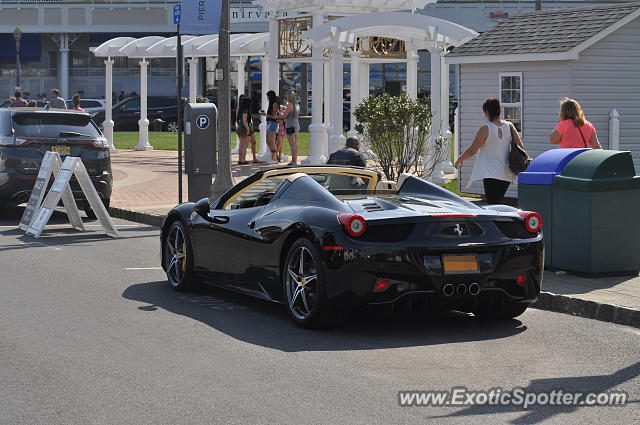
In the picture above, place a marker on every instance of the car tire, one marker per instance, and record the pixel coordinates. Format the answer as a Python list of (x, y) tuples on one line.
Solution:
[(303, 285), (89, 212), (172, 126), (498, 307), (178, 258)]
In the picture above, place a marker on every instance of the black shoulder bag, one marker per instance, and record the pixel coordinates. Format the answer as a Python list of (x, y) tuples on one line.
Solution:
[(519, 160), (583, 140)]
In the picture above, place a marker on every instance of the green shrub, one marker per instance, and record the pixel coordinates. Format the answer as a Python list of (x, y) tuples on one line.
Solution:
[(397, 130)]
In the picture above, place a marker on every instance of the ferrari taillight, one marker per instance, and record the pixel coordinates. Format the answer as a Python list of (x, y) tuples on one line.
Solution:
[(353, 224), (532, 221)]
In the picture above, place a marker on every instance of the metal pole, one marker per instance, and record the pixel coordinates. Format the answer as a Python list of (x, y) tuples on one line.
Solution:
[(224, 179), (17, 34), (538, 4), (179, 61)]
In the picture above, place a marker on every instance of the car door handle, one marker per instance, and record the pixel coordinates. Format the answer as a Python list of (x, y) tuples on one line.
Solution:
[(221, 219), (252, 225)]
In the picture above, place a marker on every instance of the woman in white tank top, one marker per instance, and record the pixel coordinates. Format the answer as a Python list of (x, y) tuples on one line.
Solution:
[(492, 144)]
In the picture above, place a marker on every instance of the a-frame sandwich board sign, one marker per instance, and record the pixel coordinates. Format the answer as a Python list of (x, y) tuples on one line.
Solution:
[(51, 164), (62, 190)]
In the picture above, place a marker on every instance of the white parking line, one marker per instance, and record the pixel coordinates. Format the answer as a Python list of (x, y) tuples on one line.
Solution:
[(68, 226), (143, 268)]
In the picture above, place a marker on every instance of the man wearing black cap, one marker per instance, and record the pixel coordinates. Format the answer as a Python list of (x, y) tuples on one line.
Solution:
[(349, 155), (56, 102)]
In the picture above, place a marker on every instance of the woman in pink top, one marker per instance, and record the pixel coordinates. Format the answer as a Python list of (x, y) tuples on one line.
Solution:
[(76, 103), (573, 130)]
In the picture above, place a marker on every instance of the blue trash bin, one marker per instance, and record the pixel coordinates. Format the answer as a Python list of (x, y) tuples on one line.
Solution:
[(535, 189)]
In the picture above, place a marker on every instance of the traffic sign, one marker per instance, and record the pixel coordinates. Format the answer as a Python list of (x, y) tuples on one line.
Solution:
[(177, 13), (202, 122)]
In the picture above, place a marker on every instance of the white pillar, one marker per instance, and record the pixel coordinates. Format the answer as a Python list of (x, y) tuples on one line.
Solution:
[(614, 130), (264, 154), (143, 124), (445, 131), (437, 176), (363, 91), (456, 136), (336, 138), (64, 66), (274, 75), (317, 131), (327, 71), (412, 72), (240, 63), (107, 124), (193, 79), (355, 88)]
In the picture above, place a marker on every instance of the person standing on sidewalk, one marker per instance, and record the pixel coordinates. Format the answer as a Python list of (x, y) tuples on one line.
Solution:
[(272, 124), (292, 125), (56, 102), (492, 144), (573, 130), (244, 128)]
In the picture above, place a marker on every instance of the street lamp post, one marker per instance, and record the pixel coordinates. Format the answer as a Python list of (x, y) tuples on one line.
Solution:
[(17, 35)]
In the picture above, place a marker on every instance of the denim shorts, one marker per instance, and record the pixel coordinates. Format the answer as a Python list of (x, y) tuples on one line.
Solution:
[(272, 126)]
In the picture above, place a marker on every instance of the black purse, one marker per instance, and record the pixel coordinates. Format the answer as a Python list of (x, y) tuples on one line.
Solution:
[(519, 160)]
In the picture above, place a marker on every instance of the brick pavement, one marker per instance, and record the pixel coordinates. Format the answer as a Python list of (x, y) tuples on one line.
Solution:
[(146, 182)]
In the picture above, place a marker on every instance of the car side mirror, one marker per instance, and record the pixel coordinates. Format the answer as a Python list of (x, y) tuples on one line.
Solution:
[(202, 208)]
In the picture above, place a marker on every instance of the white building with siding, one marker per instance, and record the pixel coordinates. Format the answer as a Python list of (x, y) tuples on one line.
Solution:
[(534, 59)]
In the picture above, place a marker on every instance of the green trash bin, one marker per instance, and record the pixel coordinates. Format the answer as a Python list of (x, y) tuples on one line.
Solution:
[(595, 215), (535, 189)]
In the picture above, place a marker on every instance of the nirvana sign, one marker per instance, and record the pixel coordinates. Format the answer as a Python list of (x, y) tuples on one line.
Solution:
[(253, 14)]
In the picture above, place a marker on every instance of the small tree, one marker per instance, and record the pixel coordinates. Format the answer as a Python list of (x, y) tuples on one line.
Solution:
[(398, 131)]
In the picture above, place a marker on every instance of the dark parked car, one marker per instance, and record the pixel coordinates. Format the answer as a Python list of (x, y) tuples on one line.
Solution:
[(126, 113), (27, 133), (328, 240), (39, 104)]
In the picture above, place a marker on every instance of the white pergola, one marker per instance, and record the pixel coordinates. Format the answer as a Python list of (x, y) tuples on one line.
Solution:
[(419, 32), (194, 47)]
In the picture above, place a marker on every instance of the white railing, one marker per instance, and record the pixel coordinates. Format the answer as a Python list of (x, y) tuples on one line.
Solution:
[(614, 130)]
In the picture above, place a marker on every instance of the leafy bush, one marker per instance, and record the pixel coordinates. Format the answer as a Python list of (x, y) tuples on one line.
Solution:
[(398, 130)]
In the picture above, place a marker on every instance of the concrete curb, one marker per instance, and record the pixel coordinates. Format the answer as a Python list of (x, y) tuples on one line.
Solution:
[(546, 301), (588, 309), (137, 217)]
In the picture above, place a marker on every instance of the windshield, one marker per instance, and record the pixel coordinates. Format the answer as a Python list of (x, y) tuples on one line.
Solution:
[(51, 125)]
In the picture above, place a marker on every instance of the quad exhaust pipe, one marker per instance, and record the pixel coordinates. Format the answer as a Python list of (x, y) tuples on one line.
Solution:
[(449, 290)]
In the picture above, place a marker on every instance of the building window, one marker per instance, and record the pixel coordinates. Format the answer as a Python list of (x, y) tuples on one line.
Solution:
[(511, 98)]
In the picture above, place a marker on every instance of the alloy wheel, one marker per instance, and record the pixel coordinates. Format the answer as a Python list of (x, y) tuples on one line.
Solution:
[(172, 127), (302, 283), (176, 255)]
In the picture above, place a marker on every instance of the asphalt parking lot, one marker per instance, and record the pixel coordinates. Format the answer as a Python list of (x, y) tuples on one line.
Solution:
[(90, 332)]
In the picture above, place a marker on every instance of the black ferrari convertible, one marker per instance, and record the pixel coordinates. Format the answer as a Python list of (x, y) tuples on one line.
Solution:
[(329, 240)]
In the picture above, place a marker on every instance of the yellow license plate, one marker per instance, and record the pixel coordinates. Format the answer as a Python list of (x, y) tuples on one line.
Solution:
[(62, 150), (460, 263)]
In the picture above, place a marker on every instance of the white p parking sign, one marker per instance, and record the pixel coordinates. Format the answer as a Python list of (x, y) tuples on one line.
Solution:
[(202, 122)]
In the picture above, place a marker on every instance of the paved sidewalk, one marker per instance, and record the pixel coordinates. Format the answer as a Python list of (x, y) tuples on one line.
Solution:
[(146, 188), (147, 182)]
